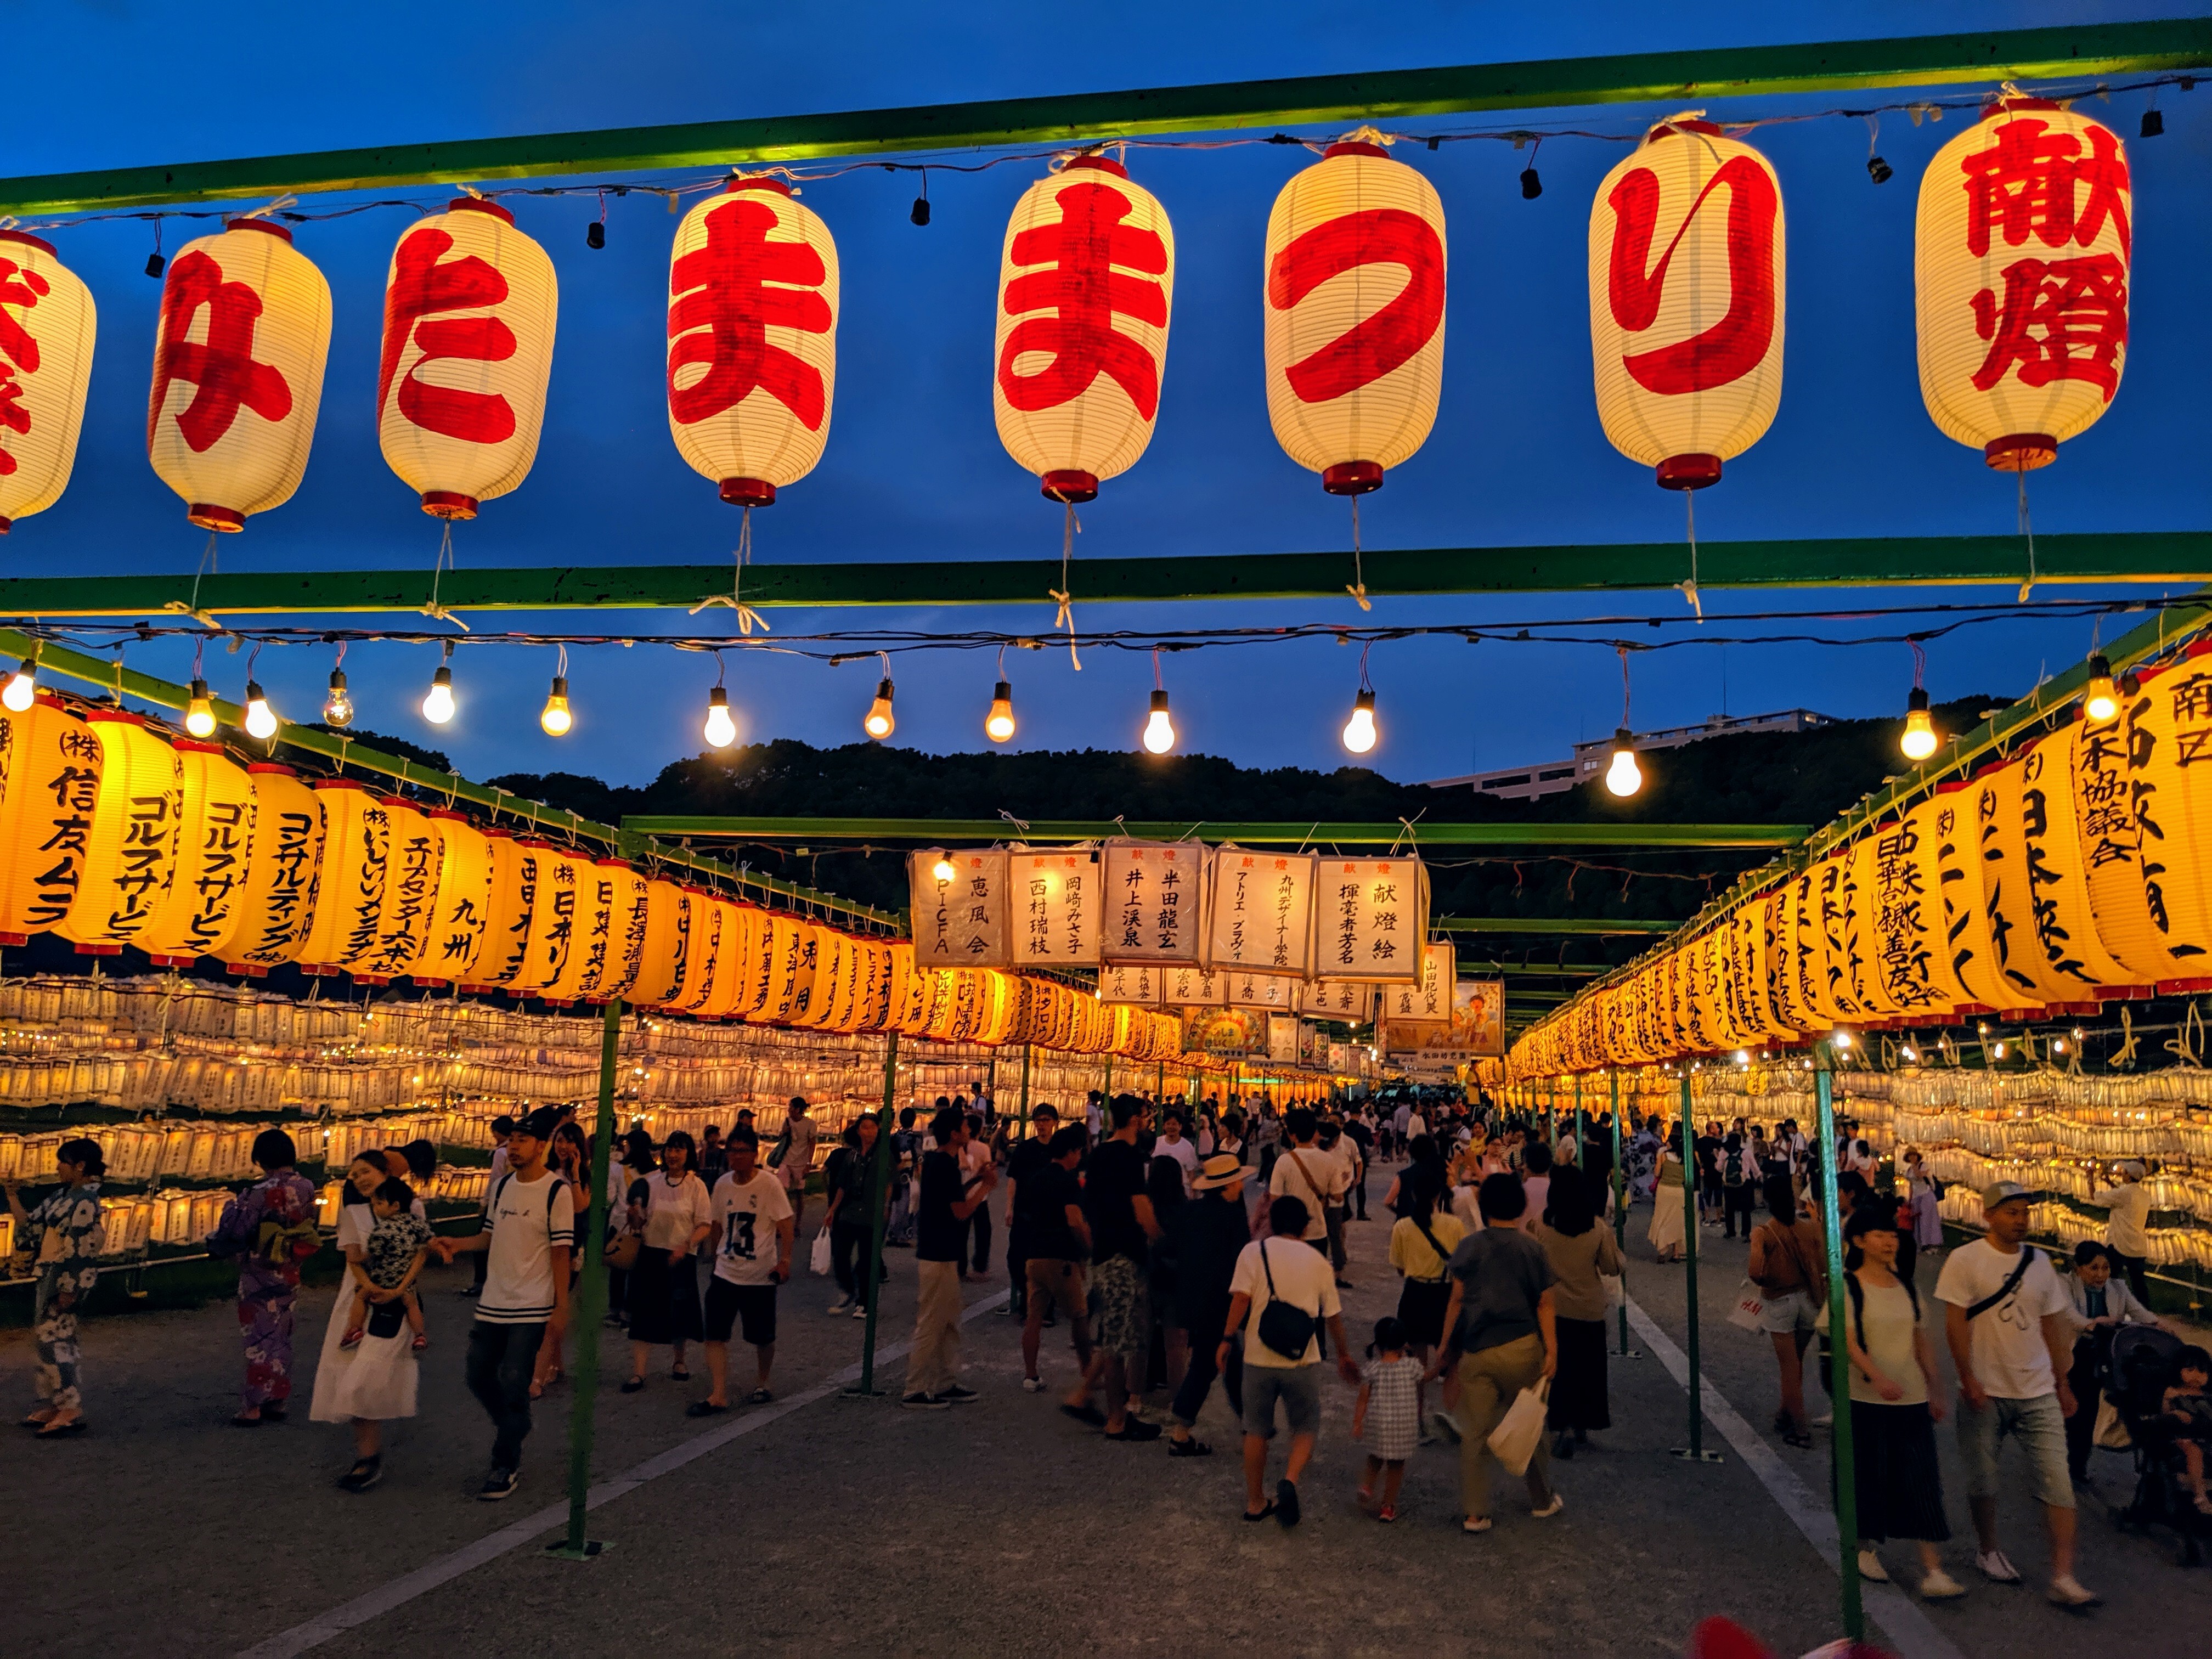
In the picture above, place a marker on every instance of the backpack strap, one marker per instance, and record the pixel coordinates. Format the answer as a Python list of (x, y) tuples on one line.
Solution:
[(2011, 1284)]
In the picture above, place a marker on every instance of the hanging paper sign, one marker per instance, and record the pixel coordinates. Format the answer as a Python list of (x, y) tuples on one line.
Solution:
[(1262, 911), (1349, 1000), (959, 909), (1153, 902), (1058, 904), (1475, 1025), (1136, 982), (1283, 1039), (1193, 988), (1373, 917), (1227, 1031), (1426, 1001), (1250, 990)]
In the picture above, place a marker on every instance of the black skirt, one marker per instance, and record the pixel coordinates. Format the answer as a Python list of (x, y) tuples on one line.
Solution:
[(1421, 1307), (1900, 1484), (663, 1298), (1578, 1391)]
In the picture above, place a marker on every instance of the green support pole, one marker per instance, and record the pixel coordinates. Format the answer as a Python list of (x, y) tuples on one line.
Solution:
[(1108, 1091), (1695, 1452), (1620, 1216), (1839, 1366), (591, 1303), (878, 1185)]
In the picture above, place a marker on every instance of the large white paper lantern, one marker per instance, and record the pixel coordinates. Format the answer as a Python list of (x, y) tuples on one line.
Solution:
[(753, 339), (1686, 293), (47, 325), (2020, 263), (470, 304), (238, 372), (1086, 281), (1354, 315)]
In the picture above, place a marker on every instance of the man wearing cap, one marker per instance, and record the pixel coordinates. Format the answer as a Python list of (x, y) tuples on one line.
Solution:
[(2006, 1315), (2127, 1233)]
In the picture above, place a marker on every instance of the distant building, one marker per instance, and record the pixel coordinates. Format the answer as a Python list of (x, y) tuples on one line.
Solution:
[(1554, 777)]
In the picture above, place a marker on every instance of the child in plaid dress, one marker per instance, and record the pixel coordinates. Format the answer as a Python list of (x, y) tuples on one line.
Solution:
[(1388, 1414)]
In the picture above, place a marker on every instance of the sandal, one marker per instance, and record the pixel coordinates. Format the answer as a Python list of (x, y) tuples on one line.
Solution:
[(1388, 1512), (55, 1430), (1262, 1515), (680, 1375), (759, 1397), (704, 1408), (352, 1337), (632, 1385), (419, 1344), (1475, 1523)]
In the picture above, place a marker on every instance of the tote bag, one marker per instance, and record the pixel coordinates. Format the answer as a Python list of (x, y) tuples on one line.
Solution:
[(1750, 1303), (1514, 1440), (819, 1260)]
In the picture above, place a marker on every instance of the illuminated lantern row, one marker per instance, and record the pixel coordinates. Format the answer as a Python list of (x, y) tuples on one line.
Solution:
[(46, 328)]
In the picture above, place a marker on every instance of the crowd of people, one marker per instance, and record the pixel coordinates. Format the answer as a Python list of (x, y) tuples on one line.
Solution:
[(1186, 1244)]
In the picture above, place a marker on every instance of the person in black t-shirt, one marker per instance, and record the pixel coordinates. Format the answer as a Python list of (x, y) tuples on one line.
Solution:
[(933, 1368), (1122, 1227), (1058, 1241), (1024, 1158)]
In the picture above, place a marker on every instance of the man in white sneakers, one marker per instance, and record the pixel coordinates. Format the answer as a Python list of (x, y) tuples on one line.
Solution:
[(529, 1228), (751, 1244), (2006, 1315)]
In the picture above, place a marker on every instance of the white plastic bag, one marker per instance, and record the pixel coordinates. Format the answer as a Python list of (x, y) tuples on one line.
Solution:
[(1616, 1290), (819, 1260), (1749, 1305), (1521, 1430)]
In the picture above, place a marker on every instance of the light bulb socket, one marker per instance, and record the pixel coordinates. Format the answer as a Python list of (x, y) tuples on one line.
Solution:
[(338, 679), (718, 698), (1363, 702), (1917, 702), (560, 687), (884, 691), (443, 677), (1159, 703), (1003, 692), (200, 693), (2100, 667), (253, 692), (595, 234)]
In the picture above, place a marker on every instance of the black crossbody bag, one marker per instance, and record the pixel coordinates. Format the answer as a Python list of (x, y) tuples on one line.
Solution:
[(1286, 1329)]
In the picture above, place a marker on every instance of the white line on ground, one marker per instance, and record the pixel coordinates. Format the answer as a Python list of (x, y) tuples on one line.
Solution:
[(1913, 1632), (448, 1567)]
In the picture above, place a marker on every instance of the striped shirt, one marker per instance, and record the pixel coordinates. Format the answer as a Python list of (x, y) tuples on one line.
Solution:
[(526, 1221)]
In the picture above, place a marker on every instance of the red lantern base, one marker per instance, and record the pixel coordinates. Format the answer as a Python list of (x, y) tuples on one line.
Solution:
[(749, 492), (448, 504), (1351, 477), (173, 962), (372, 979), (99, 950), (5, 525), (209, 517), (428, 984), (1070, 486), (246, 969), (1689, 472), (2023, 451), (14, 939), (2184, 987)]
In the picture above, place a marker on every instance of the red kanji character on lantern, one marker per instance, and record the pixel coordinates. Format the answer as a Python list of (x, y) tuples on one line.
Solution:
[(724, 306), (1080, 284), (424, 283), (25, 288), (2027, 184), (2060, 319), (223, 366), (1380, 342)]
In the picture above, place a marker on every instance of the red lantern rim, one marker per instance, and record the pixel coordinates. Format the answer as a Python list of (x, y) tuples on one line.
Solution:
[(1354, 147), (1664, 128), (448, 504), (208, 516), (113, 717), (257, 224), (1997, 106), (194, 746), (28, 240), (449, 813), (758, 181), (274, 767), (340, 783), (1101, 163), (477, 204), (2020, 452)]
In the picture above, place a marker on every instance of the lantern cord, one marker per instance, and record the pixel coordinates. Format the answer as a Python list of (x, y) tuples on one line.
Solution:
[(1062, 593), (747, 618), (1358, 588), (1919, 663), (192, 607), (435, 611), (1624, 683), (2027, 529), (2123, 1059), (1689, 589)]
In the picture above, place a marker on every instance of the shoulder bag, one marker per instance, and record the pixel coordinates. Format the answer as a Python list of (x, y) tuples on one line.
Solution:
[(1285, 1328)]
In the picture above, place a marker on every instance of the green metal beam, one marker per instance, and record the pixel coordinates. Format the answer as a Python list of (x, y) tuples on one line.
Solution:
[(941, 831), (118, 681), (2073, 52), (2169, 556), (1535, 925)]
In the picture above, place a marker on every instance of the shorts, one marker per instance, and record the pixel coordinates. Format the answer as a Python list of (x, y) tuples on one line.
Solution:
[(2040, 1427), (728, 1304), (1060, 1282), (1792, 1311), (1117, 1297), (1298, 1387)]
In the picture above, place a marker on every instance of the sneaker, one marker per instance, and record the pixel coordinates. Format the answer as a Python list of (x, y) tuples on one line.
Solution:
[(1997, 1569), (861, 1311), (1940, 1586), (841, 1307), (1033, 1385), (499, 1483), (1559, 1502), (1286, 1502), (1870, 1566), (957, 1395), (1446, 1429), (919, 1401), (2066, 1592)]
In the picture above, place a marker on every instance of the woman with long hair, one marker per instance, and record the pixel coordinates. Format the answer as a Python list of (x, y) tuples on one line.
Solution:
[(670, 1207), (374, 1382), (1666, 1233), (1421, 1242), (1580, 1252)]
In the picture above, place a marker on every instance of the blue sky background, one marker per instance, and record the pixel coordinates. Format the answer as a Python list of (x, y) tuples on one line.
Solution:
[(914, 469)]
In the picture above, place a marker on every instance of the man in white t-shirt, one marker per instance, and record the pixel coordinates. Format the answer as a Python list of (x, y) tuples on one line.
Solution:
[(751, 1244), (2127, 1228), (530, 1226), (2007, 1317), (798, 1156), (1174, 1144), (1303, 1174)]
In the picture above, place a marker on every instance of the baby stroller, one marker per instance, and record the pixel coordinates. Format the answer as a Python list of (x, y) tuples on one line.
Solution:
[(2142, 1370)]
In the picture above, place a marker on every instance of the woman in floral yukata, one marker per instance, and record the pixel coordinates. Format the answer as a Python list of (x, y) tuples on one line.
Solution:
[(63, 1237), (271, 1229)]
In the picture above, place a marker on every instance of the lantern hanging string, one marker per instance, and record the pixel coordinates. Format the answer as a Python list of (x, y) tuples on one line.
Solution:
[(747, 618), (2028, 530), (1689, 589), (435, 611), (1358, 588), (1063, 593)]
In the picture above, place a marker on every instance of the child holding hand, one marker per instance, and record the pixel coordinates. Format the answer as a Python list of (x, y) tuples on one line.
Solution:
[(398, 1246), (1387, 1413)]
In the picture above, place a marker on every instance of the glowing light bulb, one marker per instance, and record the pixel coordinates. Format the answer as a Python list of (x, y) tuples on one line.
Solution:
[(338, 708), (721, 731), (880, 722), (438, 706), (1841, 1039), (1159, 730), (942, 870), (1623, 776), (554, 718), (998, 724), (2100, 701), (1911, 1053), (1919, 742), (199, 713), (260, 717), (1359, 732), (21, 686)]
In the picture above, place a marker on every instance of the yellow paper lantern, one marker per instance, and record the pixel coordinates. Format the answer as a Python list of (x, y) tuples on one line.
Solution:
[(135, 836), (414, 862), (1686, 279), (2032, 876), (660, 970), (2146, 900), (349, 895), (238, 372), (2170, 724), (50, 767), (591, 920), (213, 858), (1951, 851), (708, 955), (2020, 263), (460, 906), (469, 304), (1861, 935), (617, 921), (46, 328), (277, 907)]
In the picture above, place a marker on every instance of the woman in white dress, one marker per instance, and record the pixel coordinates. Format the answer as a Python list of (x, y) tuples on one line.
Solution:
[(373, 1382), (1666, 1234)]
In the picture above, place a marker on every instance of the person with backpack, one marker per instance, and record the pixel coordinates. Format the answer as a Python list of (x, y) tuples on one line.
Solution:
[(1421, 1244), (529, 1229), (1288, 1290), (1740, 1176), (2007, 1319), (1895, 1405), (271, 1229)]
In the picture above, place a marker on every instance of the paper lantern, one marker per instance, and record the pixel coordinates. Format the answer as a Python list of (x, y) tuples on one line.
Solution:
[(2131, 811), (753, 339), (460, 906), (1951, 855), (790, 971), (50, 769), (238, 372), (133, 841), (1685, 295), (554, 877), (350, 897), (667, 918), (1156, 916), (830, 966), (616, 921), (1086, 284), (2020, 263), (1371, 918), (499, 939), (470, 304), (414, 862), (213, 857), (46, 329), (1833, 923), (277, 907), (1262, 908), (702, 951), (2170, 723), (1355, 315), (2032, 876), (877, 986)]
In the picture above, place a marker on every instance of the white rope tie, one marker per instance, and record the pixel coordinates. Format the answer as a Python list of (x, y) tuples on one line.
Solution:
[(1358, 588), (747, 618), (1064, 594), (435, 611), (1689, 589)]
